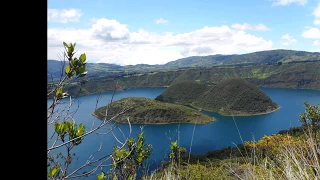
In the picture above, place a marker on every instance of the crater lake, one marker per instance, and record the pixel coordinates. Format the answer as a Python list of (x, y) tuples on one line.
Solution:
[(223, 132)]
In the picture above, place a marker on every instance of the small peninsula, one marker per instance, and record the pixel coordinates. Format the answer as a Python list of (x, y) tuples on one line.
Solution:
[(232, 97), (149, 111)]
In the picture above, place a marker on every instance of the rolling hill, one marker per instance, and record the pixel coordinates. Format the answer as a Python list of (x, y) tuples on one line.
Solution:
[(184, 92), (149, 111), (235, 97)]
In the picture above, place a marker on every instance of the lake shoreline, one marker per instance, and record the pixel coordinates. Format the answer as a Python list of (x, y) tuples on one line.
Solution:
[(257, 114), (204, 123)]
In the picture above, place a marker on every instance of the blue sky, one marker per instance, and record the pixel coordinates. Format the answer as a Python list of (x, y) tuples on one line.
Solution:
[(155, 32)]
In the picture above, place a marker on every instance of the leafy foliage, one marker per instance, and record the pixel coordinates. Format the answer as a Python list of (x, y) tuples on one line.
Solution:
[(76, 65), (176, 152), (69, 133), (71, 129), (270, 146), (101, 176), (311, 118), (127, 161)]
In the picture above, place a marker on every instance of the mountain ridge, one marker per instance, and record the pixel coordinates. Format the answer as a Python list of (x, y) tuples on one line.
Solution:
[(260, 57)]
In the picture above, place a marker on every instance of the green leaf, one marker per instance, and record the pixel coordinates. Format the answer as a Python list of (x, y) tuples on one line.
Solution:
[(130, 177), (59, 92), (83, 57), (72, 47), (174, 146), (80, 130), (53, 171), (81, 69), (57, 127), (67, 69), (101, 176), (65, 45)]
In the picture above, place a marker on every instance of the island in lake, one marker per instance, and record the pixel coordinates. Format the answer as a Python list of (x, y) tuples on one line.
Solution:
[(235, 96), (182, 102), (149, 111)]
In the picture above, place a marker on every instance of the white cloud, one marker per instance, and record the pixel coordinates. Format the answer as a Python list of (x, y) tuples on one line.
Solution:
[(245, 26), (110, 30), (64, 15), (311, 33), (109, 41), (316, 14), (288, 2), (143, 37), (288, 40), (161, 21), (316, 43)]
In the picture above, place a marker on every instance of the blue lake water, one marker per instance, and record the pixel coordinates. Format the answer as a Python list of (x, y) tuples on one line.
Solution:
[(216, 135)]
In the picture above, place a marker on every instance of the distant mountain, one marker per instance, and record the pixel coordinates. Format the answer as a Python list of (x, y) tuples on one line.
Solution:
[(261, 57), (235, 96), (96, 70), (54, 69), (148, 111)]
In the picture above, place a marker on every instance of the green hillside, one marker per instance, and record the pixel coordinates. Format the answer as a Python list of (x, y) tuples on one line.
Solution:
[(292, 75), (261, 57), (235, 97), (182, 92), (149, 111)]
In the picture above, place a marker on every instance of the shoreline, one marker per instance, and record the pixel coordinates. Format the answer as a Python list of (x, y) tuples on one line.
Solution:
[(212, 118), (257, 114)]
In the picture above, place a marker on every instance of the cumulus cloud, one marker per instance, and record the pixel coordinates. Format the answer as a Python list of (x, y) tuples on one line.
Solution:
[(316, 43), (316, 14), (245, 26), (161, 21), (109, 41), (64, 15), (288, 2), (109, 30), (287, 40), (311, 33)]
